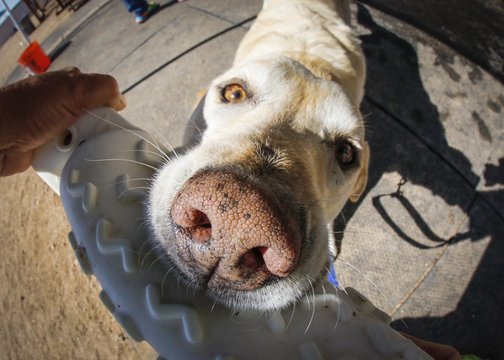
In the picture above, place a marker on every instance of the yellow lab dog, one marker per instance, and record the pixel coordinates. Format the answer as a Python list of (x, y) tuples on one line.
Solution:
[(246, 213)]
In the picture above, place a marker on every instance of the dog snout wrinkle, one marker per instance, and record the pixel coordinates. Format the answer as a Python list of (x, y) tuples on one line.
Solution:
[(230, 233)]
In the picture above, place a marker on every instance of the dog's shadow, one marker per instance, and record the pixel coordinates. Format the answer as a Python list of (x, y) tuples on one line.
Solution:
[(394, 89)]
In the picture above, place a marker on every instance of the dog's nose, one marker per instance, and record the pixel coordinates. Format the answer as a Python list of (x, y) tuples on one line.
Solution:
[(231, 234)]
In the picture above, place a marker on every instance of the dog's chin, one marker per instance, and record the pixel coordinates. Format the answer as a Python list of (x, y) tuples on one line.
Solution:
[(276, 294)]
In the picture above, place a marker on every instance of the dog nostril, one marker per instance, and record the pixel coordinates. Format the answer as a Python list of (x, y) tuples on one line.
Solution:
[(261, 256), (253, 258), (197, 224), (231, 234), (262, 250)]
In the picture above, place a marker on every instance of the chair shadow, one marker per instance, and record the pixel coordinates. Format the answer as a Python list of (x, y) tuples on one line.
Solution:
[(393, 78)]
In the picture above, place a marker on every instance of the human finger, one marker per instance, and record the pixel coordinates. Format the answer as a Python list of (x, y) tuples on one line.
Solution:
[(71, 70), (12, 162), (100, 90), (437, 351)]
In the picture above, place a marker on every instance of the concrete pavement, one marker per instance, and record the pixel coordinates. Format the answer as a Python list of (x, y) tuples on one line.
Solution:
[(426, 241)]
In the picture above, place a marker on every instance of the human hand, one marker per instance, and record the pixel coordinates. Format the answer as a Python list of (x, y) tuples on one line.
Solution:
[(37, 109), (437, 351)]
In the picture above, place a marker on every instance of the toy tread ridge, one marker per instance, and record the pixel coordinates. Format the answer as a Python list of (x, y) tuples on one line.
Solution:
[(109, 249)]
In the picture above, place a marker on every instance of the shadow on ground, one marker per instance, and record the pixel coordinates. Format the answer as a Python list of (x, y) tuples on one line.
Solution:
[(477, 324)]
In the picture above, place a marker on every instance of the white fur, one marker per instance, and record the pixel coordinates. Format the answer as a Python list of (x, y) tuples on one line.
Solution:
[(304, 73)]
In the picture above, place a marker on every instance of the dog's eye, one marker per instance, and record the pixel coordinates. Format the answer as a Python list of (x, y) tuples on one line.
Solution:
[(234, 93), (345, 153)]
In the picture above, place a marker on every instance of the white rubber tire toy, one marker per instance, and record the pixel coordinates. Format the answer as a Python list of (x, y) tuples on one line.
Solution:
[(101, 167)]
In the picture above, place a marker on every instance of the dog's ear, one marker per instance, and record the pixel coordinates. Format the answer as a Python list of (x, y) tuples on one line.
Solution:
[(360, 184)]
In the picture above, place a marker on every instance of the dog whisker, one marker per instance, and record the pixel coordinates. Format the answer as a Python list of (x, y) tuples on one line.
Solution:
[(196, 127), (291, 317), (369, 280), (213, 305), (313, 302), (128, 180), (125, 160), (339, 308), (144, 223), (354, 232), (132, 189), (270, 317), (168, 143), (172, 150), (153, 142), (153, 262), (164, 279), (340, 285), (161, 157), (336, 292), (178, 280), (307, 301), (146, 256)]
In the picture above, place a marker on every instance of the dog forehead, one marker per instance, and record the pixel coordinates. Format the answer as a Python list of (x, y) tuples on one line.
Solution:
[(282, 89), (266, 74), (326, 109)]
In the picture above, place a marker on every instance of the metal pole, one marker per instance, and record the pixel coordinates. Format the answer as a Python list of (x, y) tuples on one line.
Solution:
[(16, 23)]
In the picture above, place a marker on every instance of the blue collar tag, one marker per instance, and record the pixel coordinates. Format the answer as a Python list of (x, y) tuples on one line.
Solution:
[(332, 274)]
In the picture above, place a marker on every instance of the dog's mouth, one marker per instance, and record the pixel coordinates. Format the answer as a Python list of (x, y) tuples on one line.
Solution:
[(230, 234)]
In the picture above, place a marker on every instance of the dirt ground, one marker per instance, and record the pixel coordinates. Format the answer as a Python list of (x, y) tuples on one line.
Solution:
[(49, 308)]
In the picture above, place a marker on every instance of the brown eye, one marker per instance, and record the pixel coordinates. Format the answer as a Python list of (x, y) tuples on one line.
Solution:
[(345, 153), (234, 93)]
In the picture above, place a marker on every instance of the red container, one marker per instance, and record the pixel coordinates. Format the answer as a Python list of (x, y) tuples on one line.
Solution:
[(35, 58)]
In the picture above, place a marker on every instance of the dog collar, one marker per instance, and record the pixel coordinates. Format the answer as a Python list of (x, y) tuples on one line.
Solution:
[(332, 273)]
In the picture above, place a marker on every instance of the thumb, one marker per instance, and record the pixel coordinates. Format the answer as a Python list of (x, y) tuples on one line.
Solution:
[(101, 90)]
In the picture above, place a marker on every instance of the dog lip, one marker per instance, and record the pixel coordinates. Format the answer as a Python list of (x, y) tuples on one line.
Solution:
[(211, 273), (215, 281)]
